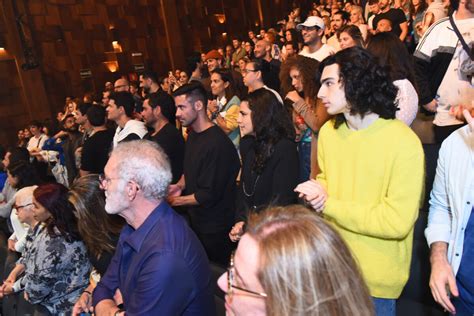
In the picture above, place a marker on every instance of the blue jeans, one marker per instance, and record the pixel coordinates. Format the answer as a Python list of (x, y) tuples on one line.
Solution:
[(384, 306), (304, 153)]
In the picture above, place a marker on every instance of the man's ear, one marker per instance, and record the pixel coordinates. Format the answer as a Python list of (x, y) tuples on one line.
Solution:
[(198, 105), (157, 111)]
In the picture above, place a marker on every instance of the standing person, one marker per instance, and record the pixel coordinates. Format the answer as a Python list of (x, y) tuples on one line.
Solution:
[(256, 73), (149, 82), (312, 31), (451, 223), (395, 16), (159, 113), (72, 140), (225, 109), (441, 63), (211, 165), (373, 197), (393, 53), (417, 14), (159, 266), (263, 51), (301, 88), (95, 151), (239, 51), (120, 110), (269, 157)]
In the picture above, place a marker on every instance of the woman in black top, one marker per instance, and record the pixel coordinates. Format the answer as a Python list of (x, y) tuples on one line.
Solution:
[(269, 156), (99, 230)]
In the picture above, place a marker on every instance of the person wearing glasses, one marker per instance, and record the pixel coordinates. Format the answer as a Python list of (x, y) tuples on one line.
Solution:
[(290, 262), (312, 31), (159, 265), (256, 73)]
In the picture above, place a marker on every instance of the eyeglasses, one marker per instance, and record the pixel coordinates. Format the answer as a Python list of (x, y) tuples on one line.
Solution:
[(246, 71), (18, 207), (230, 281), (104, 181)]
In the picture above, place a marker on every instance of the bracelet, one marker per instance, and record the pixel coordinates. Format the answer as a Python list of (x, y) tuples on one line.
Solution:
[(86, 291)]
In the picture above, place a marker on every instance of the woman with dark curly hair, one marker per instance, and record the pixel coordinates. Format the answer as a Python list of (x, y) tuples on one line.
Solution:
[(372, 172), (56, 265), (269, 156), (298, 83)]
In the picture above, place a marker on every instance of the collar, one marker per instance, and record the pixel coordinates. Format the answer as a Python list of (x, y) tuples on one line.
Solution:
[(136, 238)]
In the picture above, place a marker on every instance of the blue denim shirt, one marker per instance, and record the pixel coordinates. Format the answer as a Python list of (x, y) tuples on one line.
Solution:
[(160, 268), (451, 199)]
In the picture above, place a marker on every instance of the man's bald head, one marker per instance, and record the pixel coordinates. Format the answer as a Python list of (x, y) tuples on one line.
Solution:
[(262, 49), (121, 85)]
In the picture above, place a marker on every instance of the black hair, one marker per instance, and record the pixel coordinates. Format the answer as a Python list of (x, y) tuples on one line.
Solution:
[(148, 74), (124, 99), (344, 15), (36, 123), (166, 104), (367, 85), (96, 115), (271, 123), (25, 173), (83, 107), (226, 76), (18, 154), (192, 62), (194, 91)]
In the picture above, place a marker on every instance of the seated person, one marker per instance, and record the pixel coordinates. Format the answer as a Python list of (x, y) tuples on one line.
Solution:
[(290, 262)]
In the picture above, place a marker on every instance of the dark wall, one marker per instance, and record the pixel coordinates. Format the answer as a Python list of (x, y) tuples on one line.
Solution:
[(73, 36)]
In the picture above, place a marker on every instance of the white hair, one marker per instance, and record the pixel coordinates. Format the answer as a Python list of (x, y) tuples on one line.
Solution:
[(25, 195), (145, 163)]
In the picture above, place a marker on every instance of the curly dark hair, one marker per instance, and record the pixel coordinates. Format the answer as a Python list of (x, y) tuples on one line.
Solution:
[(271, 123), (367, 85), (54, 198), (307, 68)]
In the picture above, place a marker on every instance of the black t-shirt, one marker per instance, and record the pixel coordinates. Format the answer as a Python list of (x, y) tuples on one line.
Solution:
[(211, 165), (172, 142), (95, 151), (396, 16)]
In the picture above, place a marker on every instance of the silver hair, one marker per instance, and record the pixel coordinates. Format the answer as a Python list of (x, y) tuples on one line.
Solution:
[(25, 195), (145, 163)]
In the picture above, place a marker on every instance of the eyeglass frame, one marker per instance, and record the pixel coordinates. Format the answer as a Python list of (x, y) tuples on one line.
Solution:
[(246, 71), (18, 207), (103, 179), (230, 281)]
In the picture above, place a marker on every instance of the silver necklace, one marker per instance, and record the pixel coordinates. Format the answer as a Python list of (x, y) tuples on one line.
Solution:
[(254, 186)]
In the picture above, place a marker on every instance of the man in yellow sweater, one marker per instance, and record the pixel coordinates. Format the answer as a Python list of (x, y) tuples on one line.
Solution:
[(372, 170)]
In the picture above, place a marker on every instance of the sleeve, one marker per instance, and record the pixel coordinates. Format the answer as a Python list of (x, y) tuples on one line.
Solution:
[(400, 16), (109, 282), (407, 101), (394, 216), (6, 208), (20, 244), (313, 118), (164, 287), (87, 157), (231, 117), (439, 216), (285, 175)]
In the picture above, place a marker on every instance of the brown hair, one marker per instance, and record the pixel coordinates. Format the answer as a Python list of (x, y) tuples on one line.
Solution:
[(97, 228), (308, 67), (306, 267)]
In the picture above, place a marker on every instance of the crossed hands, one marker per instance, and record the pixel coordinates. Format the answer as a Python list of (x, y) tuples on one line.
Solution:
[(313, 193), (7, 287)]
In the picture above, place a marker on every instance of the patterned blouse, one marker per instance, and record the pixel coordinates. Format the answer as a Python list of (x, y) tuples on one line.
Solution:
[(56, 271)]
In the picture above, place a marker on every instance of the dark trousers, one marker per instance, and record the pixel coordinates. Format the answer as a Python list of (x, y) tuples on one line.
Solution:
[(442, 132), (217, 245)]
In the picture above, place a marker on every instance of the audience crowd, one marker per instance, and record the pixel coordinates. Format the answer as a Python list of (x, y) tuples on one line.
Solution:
[(293, 157)]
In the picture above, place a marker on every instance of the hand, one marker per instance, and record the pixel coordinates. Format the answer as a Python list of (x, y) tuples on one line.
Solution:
[(431, 106), (469, 119), (105, 308), (6, 289), (174, 190), (237, 231), (441, 277), (313, 193), (11, 245), (293, 96), (83, 304), (212, 106)]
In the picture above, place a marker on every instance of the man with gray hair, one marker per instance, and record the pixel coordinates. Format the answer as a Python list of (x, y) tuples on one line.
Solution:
[(159, 265)]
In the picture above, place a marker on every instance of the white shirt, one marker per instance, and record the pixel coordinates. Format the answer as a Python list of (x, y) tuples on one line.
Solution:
[(36, 142), (320, 54), (407, 99)]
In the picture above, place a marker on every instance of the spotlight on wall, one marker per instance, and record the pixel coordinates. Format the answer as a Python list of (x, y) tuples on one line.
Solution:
[(112, 66), (220, 18)]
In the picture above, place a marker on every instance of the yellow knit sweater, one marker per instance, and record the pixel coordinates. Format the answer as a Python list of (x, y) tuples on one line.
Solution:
[(374, 178)]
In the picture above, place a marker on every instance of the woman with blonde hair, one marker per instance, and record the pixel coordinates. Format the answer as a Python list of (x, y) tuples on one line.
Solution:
[(357, 19), (99, 230), (291, 262)]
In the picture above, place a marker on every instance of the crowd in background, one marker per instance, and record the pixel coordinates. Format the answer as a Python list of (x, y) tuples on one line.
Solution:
[(242, 127)]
